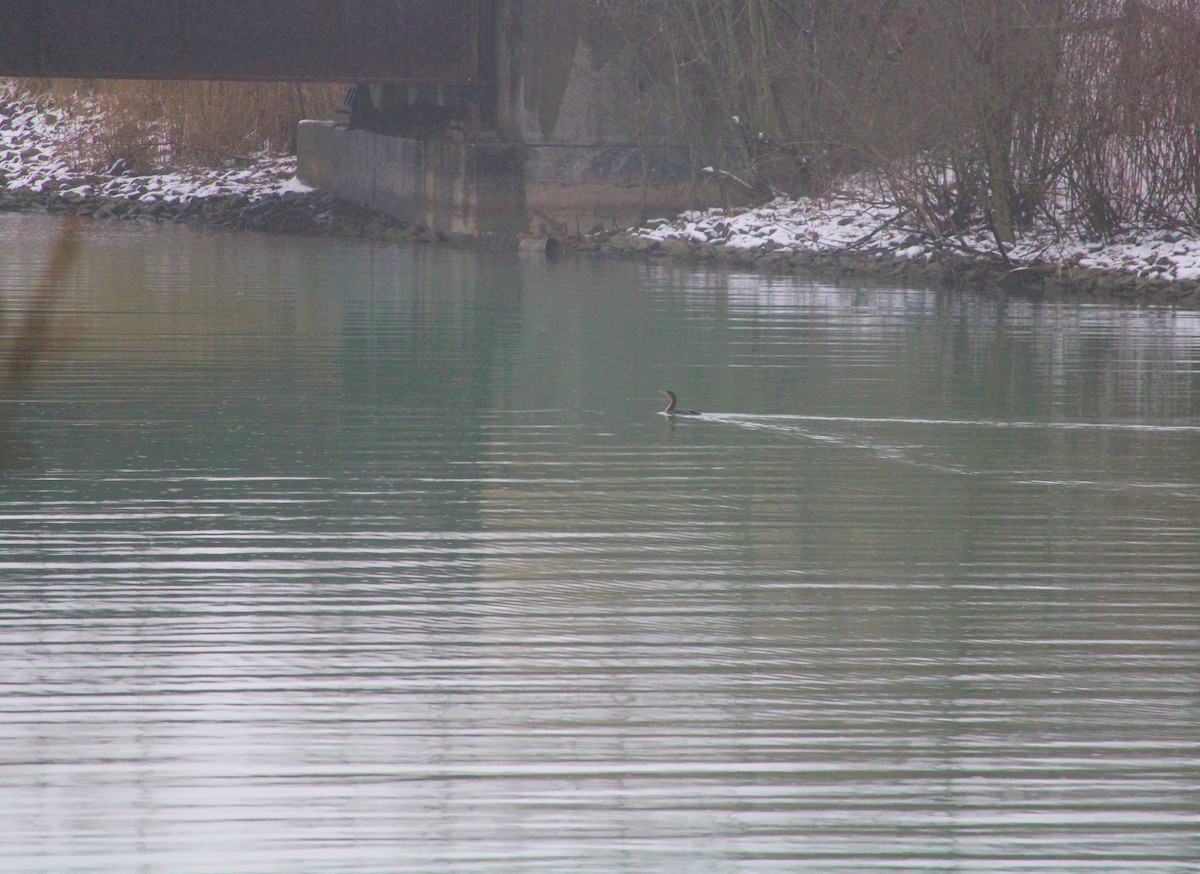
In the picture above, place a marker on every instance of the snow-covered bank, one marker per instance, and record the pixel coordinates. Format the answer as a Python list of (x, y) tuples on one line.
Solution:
[(37, 138), (39, 168), (852, 232), (846, 223)]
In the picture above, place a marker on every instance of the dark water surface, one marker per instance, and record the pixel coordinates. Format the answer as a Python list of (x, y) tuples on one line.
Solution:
[(320, 556)]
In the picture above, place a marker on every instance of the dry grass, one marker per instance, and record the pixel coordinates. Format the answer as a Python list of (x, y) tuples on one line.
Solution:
[(146, 125)]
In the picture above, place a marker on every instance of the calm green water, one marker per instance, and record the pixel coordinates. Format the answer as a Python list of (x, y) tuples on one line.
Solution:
[(321, 556)]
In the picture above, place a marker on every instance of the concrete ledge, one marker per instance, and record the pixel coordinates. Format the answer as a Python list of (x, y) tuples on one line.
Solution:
[(459, 187), (449, 186)]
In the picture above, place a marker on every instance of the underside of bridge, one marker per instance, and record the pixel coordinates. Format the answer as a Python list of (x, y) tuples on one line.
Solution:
[(468, 116), (279, 40), (564, 132)]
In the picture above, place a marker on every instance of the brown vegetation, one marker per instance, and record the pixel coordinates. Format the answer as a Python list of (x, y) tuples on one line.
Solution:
[(996, 112), (144, 125)]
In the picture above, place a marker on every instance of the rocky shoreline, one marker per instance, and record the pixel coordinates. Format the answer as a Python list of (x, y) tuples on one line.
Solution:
[(315, 213), (41, 169), (1049, 281), (309, 213), (848, 234)]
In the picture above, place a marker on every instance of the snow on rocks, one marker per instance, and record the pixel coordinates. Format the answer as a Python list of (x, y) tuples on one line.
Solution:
[(813, 225), (855, 223), (35, 137), (37, 140)]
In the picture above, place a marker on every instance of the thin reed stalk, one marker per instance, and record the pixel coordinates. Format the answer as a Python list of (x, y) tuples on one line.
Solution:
[(31, 333)]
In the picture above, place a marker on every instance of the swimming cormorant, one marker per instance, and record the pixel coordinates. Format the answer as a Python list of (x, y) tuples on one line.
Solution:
[(673, 408)]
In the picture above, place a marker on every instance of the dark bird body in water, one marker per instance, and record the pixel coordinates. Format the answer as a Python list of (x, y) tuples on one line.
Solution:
[(673, 408)]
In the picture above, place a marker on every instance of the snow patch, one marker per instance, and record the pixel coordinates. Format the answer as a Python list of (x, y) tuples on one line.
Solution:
[(35, 137), (857, 219)]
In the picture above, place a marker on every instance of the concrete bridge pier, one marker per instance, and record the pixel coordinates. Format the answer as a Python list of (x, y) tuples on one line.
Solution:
[(561, 134), (454, 186)]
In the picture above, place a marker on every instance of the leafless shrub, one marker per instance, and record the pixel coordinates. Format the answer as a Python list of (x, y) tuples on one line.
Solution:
[(757, 82), (972, 113), (1131, 154)]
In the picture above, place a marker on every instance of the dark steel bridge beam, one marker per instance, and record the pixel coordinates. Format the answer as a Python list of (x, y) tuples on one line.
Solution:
[(368, 41)]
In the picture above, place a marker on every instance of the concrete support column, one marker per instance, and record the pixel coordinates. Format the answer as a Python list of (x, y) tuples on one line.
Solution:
[(562, 135)]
